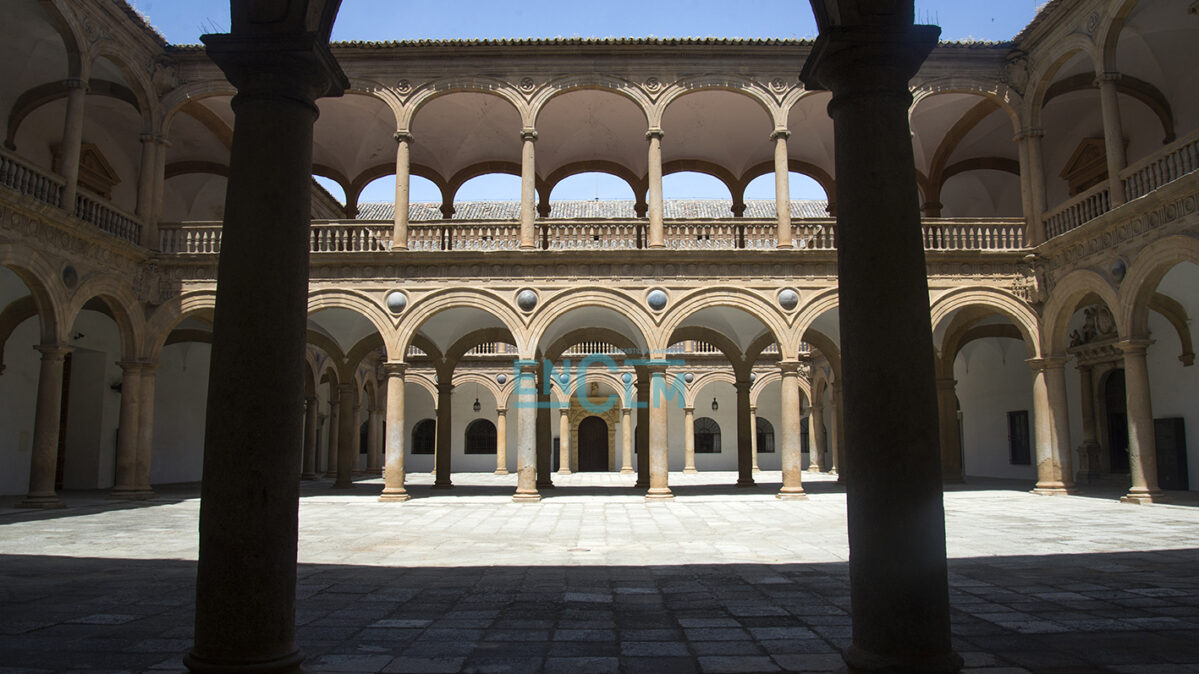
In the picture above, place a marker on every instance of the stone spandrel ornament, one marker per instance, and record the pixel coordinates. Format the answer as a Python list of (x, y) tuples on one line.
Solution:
[(1098, 324)]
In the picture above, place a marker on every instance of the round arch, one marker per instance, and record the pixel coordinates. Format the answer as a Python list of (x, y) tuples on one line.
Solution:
[(119, 298), (1009, 306), (41, 282), (557, 306), (457, 85), (736, 298), (330, 298), (703, 380), (1147, 269), (424, 308), (1063, 302), (590, 81)]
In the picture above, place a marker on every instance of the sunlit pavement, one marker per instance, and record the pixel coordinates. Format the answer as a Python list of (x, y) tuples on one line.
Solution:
[(594, 578)]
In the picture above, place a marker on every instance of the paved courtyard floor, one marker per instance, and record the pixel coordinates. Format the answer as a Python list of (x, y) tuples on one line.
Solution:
[(595, 579)]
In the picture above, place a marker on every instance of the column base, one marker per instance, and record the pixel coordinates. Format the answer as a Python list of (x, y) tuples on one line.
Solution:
[(284, 665), (530, 246), (858, 661), (545, 485), (501, 471), (815, 469), (627, 471), (746, 482), (564, 471), (130, 494), (394, 496), (526, 497), (659, 494), (308, 476), (688, 471), (1142, 497), (1052, 489), (442, 485), (641, 485), (792, 494), (43, 502)]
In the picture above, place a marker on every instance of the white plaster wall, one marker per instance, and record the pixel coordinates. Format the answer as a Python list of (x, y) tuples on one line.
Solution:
[(92, 419), (180, 405), (463, 399), (1174, 389), (993, 379), (770, 408), (18, 401), (726, 417), (418, 405)]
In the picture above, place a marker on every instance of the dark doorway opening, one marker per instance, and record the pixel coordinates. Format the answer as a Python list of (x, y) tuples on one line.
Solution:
[(593, 445), (1116, 414)]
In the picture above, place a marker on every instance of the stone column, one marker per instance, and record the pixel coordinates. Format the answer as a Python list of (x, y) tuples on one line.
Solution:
[(951, 446), (898, 575), (753, 437), (1026, 199), (626, 439), (526, 431), (334, 432), (145, 433), (782, 187), (374, 445), (145, 190), (545, 437), (501, 441), (643, 480), (659, 465), (657, 232), (399, 232), (44, 460), (816, 437), (72, 142), (445, 434), (836, 432), (1113, 134), (528, 190), (131, 399), (564, 441), (160, 172), (689, 440), (1051, 425), (745, 459), (1088, 451), (347, 435), (308, 464), (246, 574), (790, 449), (1036, 184), (393, 460), (1142, 457)]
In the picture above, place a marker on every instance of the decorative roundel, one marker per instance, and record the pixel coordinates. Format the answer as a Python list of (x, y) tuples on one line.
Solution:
[(1119, 269), (656, 299), (396, 301), (788, 299), (564, 378), (753, 377), (501, 379), (689, 377), (626, 377), (69, 276), (526, 299)]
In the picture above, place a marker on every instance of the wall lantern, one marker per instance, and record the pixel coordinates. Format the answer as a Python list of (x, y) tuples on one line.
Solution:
[(715, 405)]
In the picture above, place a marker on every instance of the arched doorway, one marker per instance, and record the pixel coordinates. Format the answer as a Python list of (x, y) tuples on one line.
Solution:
[(593, 445), (481, 437), (1116, 418)]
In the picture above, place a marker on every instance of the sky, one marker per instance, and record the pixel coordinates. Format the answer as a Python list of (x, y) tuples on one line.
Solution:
[(378, 20)]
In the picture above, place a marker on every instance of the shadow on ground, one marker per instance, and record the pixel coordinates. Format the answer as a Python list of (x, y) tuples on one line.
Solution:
[(1093, 613)]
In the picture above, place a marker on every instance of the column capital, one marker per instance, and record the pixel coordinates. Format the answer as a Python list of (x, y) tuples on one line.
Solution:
[(1026, 133), (1047, 363), (656, 366), (1134, 346), (860, 59), (133, 365), (690, 409), (402, 137), (75, 83), (1109, 76), (147, 137), (501, 411), (445, 387), (394, 368), (753, 409), (788, 367), (654, 133), (52, 351), (294, 66), (528, 134), (527, 366), (780, 133)]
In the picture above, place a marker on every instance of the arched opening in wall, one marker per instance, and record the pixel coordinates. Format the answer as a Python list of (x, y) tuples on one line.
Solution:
[(593, 445), (91, 400), (1115, 421), (492, 196), (33, 52), (692, 194), (1075, 157), (765, 436), (808, 198), (480, 437), (424, 437), (20, 331), (1092, 341), (1154, 53), (707, 436), (593, 194), (333, 187), (180, 402), (196, 162), (984, 193), (194, 197)]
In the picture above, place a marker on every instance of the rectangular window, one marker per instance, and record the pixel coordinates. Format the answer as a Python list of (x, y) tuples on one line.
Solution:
[(1019, 447)]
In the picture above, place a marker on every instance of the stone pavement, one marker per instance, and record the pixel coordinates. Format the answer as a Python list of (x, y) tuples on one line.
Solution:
[(595, 579)]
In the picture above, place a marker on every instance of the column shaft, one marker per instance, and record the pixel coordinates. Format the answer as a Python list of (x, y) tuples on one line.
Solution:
[(545, 437), (526, 432), (657, 233), (642, 438), (501, 441), (689, 440), (1036, 183), (1142, 457), (753, 437), (951, 448), (1088, 451), (43, 462), (782, 187), (445, 432), (72, 142), (626, 437), (145, 433), (131, 399), (334, 434), (393, 460), (374, 444), (816, 438), (308, 464), (1051, 427), (399, 232), (658, 437), (791, 451), (347, 432), (745, 459), (1113, 135), (145, 190), (528, 190), (564, 442)]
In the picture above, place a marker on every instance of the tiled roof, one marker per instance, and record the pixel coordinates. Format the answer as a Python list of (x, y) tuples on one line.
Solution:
[(601, 42), (672, 208)]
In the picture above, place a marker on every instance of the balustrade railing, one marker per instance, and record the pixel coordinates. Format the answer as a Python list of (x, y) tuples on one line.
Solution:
[(344, 238), (599, 235), (1171, 163), (26, 179), (1081, 208), (982, 235), (107, 217)]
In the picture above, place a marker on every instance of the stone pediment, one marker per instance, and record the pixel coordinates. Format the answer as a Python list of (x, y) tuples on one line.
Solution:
[(1087, 166), (96, 175)]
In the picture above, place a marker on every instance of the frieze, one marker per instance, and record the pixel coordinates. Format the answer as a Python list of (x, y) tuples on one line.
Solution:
[(85, 249)]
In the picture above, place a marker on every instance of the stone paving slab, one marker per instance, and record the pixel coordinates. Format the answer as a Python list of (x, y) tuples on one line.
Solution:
[(593, 578)]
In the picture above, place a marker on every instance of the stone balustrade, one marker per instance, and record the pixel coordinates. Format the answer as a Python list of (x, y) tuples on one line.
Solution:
[(1171, 163), (23, 177), (108, 218), (1078, 210)]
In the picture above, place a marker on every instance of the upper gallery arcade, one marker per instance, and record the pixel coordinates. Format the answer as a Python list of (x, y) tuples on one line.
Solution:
[(1055, 178)]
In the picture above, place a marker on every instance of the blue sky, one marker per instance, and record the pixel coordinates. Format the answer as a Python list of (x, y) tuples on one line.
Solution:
[(375, 20)]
